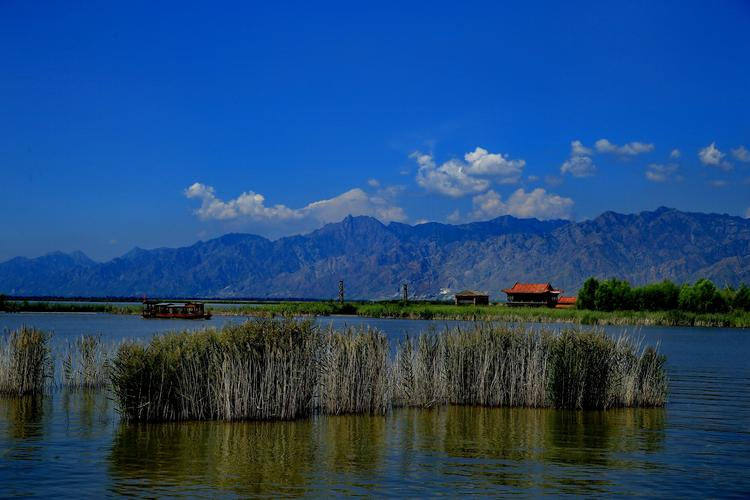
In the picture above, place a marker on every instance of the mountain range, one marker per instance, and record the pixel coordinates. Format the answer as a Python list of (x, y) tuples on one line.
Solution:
[(435, 259)]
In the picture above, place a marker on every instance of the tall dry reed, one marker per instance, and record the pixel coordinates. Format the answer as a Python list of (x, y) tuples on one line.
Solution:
[(25, 362), (85, 363), (354, 373), (283, 369), (262, 369), (491, 365)]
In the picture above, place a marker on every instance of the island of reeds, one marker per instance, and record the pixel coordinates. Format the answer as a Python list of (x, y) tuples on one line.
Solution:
[(286, 369)]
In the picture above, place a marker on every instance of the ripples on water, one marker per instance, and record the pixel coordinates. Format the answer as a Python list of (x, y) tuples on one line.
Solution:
[(73, 444)]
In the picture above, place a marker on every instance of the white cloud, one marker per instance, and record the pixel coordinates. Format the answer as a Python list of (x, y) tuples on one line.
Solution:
[(578, 166), (537, 203), (747, 213), (719, 183), (251, 206), (629, 149), (474, 174), (578, 149), (712, 156), (741, 154), (373, 183), (676, 153), (553, 180), (454, 216), (656, 172)]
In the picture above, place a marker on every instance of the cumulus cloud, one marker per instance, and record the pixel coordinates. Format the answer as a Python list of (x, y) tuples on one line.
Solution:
[(719, 183), (251, 206), (741, 154), (580, 163), (676, 153), (553, 180), (474, 174), (629, 149), (373, 183), (454, 216), (537, 203), (656, 172), (578, 166), (713, 157), (578, 149)]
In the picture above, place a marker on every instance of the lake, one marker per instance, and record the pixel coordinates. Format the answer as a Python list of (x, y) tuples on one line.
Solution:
[(74, 444)]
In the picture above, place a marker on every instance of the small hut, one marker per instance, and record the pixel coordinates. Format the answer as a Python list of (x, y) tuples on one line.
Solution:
[(472, 297), (532, 295), (566, 303)]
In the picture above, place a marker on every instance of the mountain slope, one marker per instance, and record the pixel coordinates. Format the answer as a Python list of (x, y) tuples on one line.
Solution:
[(374, 259)]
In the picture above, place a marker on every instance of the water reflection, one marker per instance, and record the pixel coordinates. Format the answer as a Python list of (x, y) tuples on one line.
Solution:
[(23, 417), (86, 411), (477, 449), (244, 457)]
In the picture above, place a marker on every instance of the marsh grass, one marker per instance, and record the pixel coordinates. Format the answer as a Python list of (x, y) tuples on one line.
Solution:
[(25, 362), (85, 363), (491, 365), (496, 312), (270, 369), (261, 369), (354, 372)]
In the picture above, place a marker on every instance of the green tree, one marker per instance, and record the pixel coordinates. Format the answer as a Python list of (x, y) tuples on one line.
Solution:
[(702, 297), (613, 295), (741, 300), (587, 294), (662, 296)]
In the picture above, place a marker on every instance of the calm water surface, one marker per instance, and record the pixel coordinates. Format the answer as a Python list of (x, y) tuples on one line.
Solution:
[(74, 445)]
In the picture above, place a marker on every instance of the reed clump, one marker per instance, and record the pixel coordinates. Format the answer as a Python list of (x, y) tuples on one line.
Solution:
[(354, 373), (85, 363), (25, 362), (491, 365), (271, 369), (261, 369)]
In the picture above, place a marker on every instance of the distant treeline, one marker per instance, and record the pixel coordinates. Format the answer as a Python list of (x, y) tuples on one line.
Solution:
[(15, 306), (701, 297)]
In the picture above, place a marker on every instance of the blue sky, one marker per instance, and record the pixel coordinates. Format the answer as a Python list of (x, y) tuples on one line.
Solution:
[(136, 125)]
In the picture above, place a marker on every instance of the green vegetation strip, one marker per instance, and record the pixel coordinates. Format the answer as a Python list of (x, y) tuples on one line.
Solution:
[(271, 369), (499, 312)]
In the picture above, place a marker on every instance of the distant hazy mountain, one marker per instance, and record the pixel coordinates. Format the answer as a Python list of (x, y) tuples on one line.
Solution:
[(374, 259)]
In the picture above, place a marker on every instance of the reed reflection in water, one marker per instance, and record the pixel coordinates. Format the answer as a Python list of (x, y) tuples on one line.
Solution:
[(409, 452)]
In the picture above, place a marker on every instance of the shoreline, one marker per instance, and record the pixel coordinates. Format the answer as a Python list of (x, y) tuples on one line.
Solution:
[(428, 311)]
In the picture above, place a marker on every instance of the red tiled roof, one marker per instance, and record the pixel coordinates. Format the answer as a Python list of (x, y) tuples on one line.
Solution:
[(530, 288), (566, 300)]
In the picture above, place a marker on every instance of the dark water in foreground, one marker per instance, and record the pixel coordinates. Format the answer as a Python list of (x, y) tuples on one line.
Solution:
[(699, 445)]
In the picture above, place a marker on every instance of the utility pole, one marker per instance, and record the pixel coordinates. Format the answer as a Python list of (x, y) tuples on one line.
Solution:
[(341, 292), (406, 293)]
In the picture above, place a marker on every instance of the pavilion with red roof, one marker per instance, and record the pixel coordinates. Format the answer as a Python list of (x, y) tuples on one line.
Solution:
[(532, 295)]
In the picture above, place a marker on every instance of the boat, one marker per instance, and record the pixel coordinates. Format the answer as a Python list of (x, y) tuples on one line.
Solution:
[(174, 310)]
